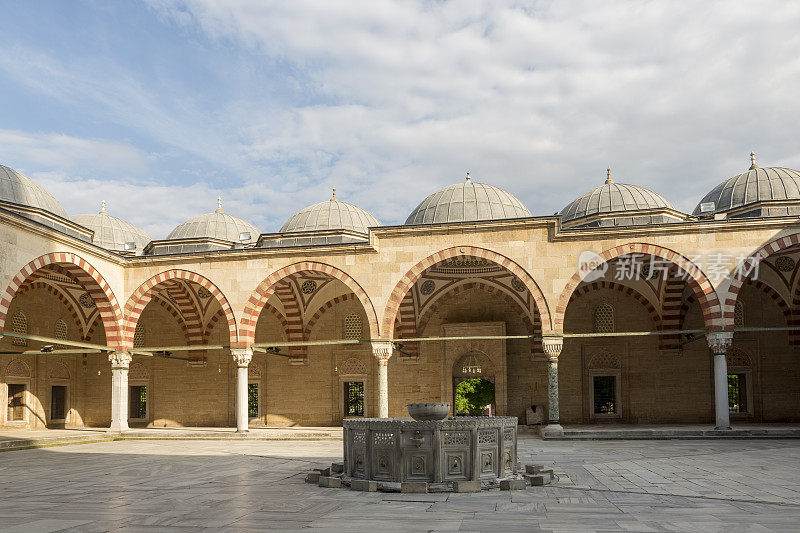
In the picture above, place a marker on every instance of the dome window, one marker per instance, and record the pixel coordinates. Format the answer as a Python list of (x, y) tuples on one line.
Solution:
[(708, 207), (244, 236), (130, 245)]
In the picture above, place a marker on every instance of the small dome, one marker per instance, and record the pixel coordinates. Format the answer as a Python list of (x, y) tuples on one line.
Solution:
[(614, 198), (331, 215), (756, 185), (20, 189), (216, 225), (113, 233), (466, 202)]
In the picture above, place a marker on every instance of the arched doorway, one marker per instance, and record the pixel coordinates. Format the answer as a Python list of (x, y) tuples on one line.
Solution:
[(473, 385)]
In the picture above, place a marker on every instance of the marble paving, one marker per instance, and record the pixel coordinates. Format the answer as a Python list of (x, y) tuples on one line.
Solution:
[(228, 485)]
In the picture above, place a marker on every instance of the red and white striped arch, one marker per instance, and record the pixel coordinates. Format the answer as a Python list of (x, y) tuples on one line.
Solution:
[(709, 303), (268, 286), (738, 276), (411, 277), (142, 296), (87, 276)]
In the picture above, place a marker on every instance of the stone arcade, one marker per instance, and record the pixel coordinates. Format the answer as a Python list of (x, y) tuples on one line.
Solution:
[(678, 318)]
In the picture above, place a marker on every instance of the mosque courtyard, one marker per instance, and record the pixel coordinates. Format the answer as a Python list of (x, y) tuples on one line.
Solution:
[(249, 485)]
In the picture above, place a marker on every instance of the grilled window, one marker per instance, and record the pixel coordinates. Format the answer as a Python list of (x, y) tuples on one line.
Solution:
[(603, 319)]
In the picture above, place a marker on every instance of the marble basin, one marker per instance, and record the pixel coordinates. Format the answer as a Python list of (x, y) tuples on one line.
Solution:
[(428, 411)]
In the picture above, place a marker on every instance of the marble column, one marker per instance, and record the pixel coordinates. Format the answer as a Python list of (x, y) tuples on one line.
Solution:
[(720, 342), (382, 352), (552, 349), (242, 358), (120, 362)]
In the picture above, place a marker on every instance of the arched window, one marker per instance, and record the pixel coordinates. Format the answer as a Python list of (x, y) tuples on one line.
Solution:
[(19, 324), (60, 332), (352, 327), (139, 336), (603, 316), (738, 315)]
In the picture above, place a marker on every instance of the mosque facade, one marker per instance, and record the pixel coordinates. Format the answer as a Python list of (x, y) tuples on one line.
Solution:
[(619, 309)]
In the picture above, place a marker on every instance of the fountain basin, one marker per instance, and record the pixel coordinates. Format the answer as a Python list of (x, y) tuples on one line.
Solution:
[(428, 411), (464, 448)]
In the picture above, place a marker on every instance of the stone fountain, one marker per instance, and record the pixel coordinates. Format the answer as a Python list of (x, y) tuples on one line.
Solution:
[(431, 448)]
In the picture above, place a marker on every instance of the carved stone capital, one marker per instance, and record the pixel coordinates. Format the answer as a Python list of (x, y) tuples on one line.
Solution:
[(242, 356), (120, 359), (719, 341), (552, 347), (382, 351)]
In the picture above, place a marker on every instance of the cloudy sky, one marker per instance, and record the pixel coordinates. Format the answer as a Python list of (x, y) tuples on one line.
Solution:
[(158, 107)]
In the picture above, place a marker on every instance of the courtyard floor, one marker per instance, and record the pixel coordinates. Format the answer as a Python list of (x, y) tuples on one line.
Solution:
[(230, 485)]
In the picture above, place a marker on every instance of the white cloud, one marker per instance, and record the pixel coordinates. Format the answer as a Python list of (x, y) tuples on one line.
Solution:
[(65, 153), (539, 100), (389, 100)]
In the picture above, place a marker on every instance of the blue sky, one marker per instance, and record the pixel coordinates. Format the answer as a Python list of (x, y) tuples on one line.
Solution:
[(159, 107)]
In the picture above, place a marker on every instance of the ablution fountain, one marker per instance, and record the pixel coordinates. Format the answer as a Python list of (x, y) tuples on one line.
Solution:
[(429, 452)]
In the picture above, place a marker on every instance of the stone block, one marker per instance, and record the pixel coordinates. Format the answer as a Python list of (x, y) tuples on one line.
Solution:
[(414, 487), (364, 485), (324, 471), (466, 486), (330, 482), (513, 484), (312, 477), (539, 469), (337, 468), (537, 480)]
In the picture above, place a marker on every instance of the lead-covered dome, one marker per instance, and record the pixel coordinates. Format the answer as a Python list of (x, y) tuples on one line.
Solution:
[(774, 186), (113, 233), (466, 202), (618, 199), (20, 189), (331, 215), (217, 225)]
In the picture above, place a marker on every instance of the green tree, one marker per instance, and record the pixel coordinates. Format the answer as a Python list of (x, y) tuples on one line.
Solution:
[(472, 395)]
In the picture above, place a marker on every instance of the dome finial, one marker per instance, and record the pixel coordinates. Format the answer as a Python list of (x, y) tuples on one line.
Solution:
[(753, 165), (333, 198), (219, 204), (608, 175), (103, 208), (468, 178)]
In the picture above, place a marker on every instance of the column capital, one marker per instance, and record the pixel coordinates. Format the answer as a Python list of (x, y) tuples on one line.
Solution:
[(120, 359), (382, 350), (719, 341), (242, 356), (552, 347)]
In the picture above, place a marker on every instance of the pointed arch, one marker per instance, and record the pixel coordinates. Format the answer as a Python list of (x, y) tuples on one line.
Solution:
[(91, 280), (411, 277), (739, 274), (267, 288), (709, 303), (142, 296)]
